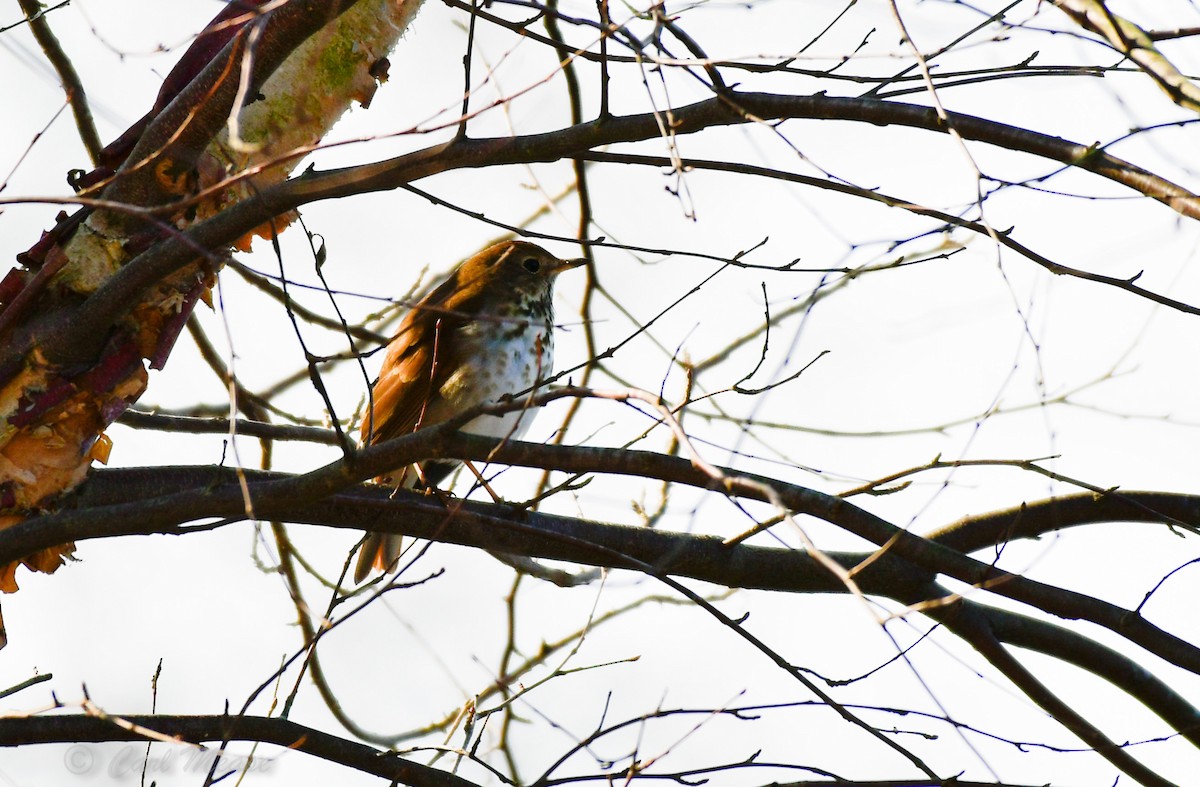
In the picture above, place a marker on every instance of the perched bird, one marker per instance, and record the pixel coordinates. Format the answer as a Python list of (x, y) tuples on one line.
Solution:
[(486, 331)]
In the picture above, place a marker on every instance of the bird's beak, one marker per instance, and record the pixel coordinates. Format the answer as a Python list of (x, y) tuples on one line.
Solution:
[(565, 265)]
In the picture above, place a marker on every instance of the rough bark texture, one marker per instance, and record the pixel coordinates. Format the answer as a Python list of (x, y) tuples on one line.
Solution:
[(294, 71)]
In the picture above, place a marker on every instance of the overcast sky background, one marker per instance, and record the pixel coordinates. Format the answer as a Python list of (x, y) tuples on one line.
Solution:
[(911, 348)]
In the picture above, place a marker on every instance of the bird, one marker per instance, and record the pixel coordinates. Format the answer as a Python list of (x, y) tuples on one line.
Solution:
[(486, 331)]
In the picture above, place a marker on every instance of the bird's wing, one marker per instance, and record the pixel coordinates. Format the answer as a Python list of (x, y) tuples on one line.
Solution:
[(407, 395), (404, 398), (406, 388)]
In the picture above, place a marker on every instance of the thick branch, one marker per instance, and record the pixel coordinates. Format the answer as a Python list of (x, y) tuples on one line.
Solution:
[(1030, 520), (182, 131), (1127, 674), (163, 499), (143, 501), (307, 499), (974, 627)]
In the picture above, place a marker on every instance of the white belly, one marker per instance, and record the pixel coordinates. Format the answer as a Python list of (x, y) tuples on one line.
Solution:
[(513, 363)]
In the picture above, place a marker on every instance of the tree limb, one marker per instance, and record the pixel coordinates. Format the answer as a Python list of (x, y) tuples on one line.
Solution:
[(81, 728), (114, 298)]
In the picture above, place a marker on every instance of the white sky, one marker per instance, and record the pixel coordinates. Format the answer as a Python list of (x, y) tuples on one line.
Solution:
[(910, 348)]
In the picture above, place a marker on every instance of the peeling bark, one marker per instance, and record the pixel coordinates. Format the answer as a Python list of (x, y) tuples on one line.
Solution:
[(294, 69)]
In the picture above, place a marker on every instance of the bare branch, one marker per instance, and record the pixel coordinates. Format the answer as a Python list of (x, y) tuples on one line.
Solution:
[(72, 84)]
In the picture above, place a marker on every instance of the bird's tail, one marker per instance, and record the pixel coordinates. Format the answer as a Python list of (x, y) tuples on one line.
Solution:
[(380, 551)]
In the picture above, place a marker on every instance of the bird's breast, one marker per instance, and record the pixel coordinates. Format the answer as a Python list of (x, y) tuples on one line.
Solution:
[(495, 359)]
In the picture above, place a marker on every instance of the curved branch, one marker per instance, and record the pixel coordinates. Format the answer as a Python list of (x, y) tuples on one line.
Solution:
[(159, 507), (767, 569), (91, 729), (1123, 672), (969, 623), (81, 728), (1030, 520), (121, 502), (114, 298)]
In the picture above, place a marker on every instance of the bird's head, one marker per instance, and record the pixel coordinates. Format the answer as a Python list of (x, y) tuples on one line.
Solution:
[(513, 269)]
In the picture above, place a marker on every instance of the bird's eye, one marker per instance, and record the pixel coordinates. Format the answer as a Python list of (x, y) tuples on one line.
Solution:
[(531, 264)]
